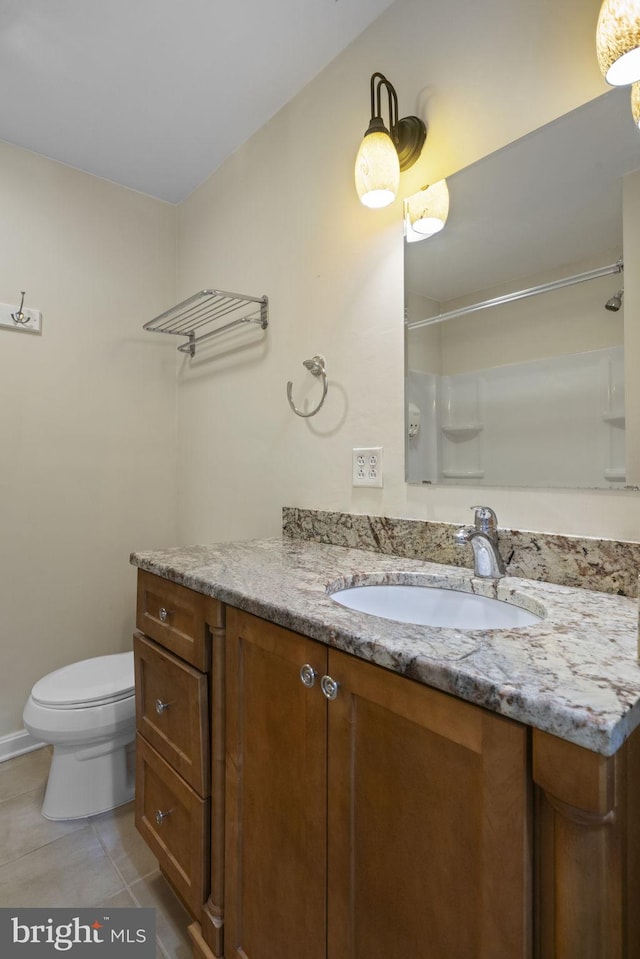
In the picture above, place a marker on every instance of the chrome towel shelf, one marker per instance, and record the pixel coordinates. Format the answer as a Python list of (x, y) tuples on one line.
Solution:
[(195, 316)]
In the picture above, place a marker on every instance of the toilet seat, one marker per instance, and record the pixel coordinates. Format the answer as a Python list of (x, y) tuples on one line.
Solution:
[(90, 682)]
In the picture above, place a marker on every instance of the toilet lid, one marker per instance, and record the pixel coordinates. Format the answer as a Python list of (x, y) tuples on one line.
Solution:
[(102, 679)]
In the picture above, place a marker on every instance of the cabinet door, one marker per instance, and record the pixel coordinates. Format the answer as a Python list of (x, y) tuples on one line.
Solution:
[(275, 849), (427, 823)]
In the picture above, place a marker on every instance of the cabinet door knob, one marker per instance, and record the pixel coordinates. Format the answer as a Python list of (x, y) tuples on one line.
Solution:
[(329, 687), (160, 706), (308, 675), (163, 614), (161, 816)]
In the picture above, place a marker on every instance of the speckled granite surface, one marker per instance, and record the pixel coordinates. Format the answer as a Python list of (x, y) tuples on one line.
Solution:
[(605, 565), (575, 674)]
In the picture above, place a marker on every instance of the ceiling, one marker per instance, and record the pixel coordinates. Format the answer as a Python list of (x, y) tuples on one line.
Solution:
[(155, 94)]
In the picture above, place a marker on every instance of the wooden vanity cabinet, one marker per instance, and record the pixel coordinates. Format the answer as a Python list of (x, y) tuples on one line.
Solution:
[(325, 808), (389, 821), (179, 725)]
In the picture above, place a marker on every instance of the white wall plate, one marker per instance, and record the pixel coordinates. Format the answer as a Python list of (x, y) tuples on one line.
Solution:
[(31, 321)]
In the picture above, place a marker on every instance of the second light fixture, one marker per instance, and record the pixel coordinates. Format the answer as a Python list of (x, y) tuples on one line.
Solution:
[(426, 212)]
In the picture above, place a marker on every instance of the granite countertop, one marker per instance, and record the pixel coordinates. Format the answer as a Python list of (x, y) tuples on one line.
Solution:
[(575, 674)]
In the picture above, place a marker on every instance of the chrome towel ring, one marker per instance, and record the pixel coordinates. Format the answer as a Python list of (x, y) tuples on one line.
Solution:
[(316, 366)]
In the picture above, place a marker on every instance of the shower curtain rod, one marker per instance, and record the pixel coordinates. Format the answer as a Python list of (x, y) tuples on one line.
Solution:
[(520, 295)]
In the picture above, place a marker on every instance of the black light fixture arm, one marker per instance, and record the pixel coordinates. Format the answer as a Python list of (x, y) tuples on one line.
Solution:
[(376, 108), (408, 134)]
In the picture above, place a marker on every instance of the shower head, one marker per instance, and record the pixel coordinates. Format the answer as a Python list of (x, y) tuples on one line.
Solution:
[(615, 302)]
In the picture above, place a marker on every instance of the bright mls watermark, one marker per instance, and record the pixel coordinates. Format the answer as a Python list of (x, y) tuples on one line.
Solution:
[(78, 933)]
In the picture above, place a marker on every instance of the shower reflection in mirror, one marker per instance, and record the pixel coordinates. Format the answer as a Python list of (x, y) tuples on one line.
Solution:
[(514, 367)]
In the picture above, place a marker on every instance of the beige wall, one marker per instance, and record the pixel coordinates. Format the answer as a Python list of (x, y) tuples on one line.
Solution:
[(281, 217), (87, 415)]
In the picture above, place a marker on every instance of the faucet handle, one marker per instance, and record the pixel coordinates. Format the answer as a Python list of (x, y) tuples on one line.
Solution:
[(485, 519)]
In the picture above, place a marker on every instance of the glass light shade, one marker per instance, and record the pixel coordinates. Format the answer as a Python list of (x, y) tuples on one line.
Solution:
[(618, 41), (427, 210), (635, 103), (377, 170), (409, 234)]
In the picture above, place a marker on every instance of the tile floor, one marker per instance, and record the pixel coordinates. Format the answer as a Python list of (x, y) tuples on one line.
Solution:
[(100, 861)]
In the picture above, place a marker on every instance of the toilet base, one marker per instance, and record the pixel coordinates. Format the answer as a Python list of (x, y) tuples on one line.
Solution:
[(90, 779)]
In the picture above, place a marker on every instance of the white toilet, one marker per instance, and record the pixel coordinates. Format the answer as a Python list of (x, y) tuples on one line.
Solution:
[(87, 712)]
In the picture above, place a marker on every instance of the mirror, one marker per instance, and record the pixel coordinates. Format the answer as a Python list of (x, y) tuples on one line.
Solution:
[(514, 368)]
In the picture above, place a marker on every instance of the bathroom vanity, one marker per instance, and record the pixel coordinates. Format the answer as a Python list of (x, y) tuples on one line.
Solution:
[(319, 782)]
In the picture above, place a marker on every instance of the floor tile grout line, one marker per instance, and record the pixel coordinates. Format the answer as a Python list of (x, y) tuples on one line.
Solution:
[(160, 945), (43, 845), (139, 905), (21, 795), (127, 884), (109, 856), (18, 795)]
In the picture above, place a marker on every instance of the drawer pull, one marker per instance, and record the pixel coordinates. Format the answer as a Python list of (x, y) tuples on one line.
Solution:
[(308, 675), (161, 816), (329, 687), (163, 614), (161, 707)]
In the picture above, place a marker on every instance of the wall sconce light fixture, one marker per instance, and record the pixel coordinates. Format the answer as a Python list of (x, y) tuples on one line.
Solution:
[(385, 152), (426, 212), (618, 41)]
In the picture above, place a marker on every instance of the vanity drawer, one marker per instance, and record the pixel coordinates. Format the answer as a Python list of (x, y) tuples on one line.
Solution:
[(174, 822), (172, 711), (176, 617)]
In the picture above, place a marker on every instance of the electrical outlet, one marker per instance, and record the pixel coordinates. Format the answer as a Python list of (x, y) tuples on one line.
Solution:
[(366, 466)]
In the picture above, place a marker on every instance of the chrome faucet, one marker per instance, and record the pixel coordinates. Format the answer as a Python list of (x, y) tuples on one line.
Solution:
[(483, 537)]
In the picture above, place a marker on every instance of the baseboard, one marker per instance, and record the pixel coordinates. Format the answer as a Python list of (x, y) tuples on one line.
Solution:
[(15, 744)]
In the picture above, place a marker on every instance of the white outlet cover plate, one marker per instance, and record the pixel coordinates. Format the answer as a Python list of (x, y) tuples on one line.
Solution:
[(366, 466)]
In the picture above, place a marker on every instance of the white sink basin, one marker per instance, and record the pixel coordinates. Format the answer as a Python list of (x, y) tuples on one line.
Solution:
[(434, 606)]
